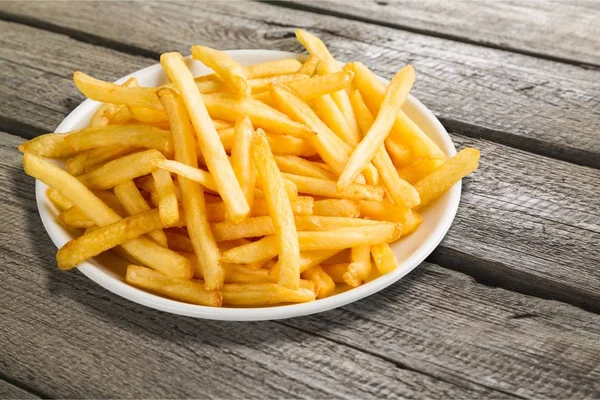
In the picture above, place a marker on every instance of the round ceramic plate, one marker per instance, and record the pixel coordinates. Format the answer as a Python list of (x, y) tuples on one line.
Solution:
[(108, 270)]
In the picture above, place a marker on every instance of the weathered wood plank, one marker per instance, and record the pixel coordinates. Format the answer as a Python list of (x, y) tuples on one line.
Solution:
[(566, 31), (10, 391), (542, 106), (436, 333), (516, 220)]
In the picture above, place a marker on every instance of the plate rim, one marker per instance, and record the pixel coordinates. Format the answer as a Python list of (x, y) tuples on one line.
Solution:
[(120, 288)]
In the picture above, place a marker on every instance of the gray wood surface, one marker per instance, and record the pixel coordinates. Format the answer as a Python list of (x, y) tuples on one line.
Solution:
[(542, 106), (437, 333), (530, 231), (558, 30), (10, 391)]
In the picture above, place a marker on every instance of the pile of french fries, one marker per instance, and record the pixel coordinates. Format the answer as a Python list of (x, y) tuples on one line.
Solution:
[(280, 182)]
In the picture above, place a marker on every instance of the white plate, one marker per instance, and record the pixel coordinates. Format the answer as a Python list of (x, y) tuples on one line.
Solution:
[(108, 270)]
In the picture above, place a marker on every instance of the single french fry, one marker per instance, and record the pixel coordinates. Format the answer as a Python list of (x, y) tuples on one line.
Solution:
[(107, 92), (309, 66), (452, 171), (395, 94), (336, 271), (235, 273), (227, 68), (343, 238), (263, 294), (404, 129), (280, 210), (167, 200), (192, 196), (241, 158), (325, 285), (73, 217), (208, 139), (52, 145), (263, 226), (384, 257), (85, 161), (104, 238), (60, 201), (133, 202), (228, 107), (145, 250), (336, 208), (279, 144), (124, 135), (328, 188), (149, 115), (272, 68), (177, 289), (299, 166), (419, 169), (120, 170), (195, 174), (360, 266), (262, 250), (262, 84)]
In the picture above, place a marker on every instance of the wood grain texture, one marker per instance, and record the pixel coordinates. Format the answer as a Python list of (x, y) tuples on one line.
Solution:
[(437, 333), (10, 391), (529, 222), (542, 106), (565, 31)]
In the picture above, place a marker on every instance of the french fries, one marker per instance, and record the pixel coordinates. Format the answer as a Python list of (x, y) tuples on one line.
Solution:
[(192, 196), (300, 213), (208, 139), (280, 210)]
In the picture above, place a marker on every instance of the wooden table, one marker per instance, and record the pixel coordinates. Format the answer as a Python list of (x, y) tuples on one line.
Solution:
[(506, 306)]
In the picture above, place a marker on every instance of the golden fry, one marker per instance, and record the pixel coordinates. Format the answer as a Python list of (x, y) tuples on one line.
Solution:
[(360, 266), (336, 271), (309, 66), (385, 259), (93, 243), (419, 169), (106, 92), (262, 250), (452, 171), (280, 210), (262, 84), (263, 294), (208, 139), (167, 200), (53, 145), (177, 289), (195, 174), (192, 196), (228, 69), (336, 208), (342, 238), (60, 201), (85, 161), (279, 144), (122, 169), (272, 68), (299, 166), (241, 158), (124, 135)]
